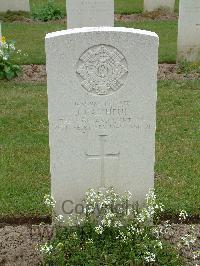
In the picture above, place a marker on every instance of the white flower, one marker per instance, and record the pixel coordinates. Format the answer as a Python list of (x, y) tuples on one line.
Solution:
[(183, 215), (150, 257), (196, 254), (165, 228), (188, 239), (90, 241), (99, 229), (74, 235), (49, 201), (117, 224), (59, 218), (46, 249), (156, 232)]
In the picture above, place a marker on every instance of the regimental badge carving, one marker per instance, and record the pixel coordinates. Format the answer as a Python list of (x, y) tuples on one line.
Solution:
[(102, 70)]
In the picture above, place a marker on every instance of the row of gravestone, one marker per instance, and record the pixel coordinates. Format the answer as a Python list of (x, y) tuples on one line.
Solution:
[(101, 13), (83, 13), (23, 5)]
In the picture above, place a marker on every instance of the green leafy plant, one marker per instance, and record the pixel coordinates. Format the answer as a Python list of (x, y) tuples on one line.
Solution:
[(188, 67), (110, 231), (8, 69), (49, 11)]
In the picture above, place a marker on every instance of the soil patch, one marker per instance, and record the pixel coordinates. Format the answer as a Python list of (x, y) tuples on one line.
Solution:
[(37, 74), (147, 16), (172, 72), (19, 244), (159, 15)]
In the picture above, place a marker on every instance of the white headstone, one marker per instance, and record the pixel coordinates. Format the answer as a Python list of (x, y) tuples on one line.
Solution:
[(102, 111), (152, 5), (189, 30), (90, 13), (0, 32), (14, 5)]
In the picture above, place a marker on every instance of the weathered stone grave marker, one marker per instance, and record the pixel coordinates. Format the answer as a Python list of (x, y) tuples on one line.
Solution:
[(90, 13), (152, 5), (14, 5), (189, 31), (102, 111), (0, 31)]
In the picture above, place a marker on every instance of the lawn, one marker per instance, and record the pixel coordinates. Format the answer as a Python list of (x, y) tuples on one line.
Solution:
[(24, 164), (30, 38)]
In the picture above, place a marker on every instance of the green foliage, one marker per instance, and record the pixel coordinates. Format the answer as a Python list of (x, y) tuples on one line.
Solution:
[(188, 67), (49, 11), (111, 231), (8, 69)]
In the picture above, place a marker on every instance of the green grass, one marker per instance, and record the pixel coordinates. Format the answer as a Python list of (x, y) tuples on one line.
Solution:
[(178, 145), (30, 38), (24, 161), (167, 32), (24, 164)]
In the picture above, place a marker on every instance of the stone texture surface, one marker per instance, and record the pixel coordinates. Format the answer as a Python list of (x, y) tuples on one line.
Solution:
[(151, 5), (90, 13), (189, 30), (14, 5), (102, 111)]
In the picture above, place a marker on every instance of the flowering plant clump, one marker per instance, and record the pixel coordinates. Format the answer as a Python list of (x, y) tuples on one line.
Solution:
[(110, 231), (8, 69)]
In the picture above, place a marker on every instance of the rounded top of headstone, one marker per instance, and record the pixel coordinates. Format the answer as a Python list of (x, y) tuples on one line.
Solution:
[(101, 29)]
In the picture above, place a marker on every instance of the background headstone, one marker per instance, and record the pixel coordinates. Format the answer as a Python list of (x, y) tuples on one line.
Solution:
[(0, 31), (102, 111), (14, 5), (189, 31), (90, 13), (152, 5)]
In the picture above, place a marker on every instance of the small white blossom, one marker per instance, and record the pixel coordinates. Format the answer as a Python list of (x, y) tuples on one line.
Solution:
[(183, 215), (150, 257), (49, 201), (59, 218), (188, 240), (99, 229), (46, 249)]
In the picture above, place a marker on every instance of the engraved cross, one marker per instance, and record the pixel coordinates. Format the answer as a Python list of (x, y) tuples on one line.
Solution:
[(102, 157)]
